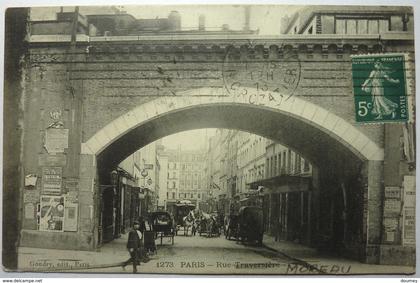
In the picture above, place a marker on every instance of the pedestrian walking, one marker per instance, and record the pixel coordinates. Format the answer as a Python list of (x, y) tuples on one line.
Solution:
[(134, 246)]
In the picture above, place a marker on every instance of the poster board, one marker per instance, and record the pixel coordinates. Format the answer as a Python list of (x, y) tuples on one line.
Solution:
[(51, 213), (71, 212)]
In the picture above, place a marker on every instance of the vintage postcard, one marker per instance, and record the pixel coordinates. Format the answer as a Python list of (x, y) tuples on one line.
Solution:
[(209, 139)]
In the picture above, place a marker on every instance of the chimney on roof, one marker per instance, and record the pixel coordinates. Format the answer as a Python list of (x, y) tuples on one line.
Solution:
[(225, 27), (284, 24), (247, 17), (174, 20), (202, 22)]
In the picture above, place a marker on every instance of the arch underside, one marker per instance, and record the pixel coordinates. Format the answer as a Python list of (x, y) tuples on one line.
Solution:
[(317, 146)]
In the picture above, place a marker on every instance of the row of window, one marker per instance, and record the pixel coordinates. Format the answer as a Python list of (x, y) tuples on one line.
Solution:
[(173, 175), (254, 174), (182, 184), (361, 26), (190, 176), (286, 162), (187, 158), (188, 182), (182, 195), (352, 25), (256, 148), (185, 166)]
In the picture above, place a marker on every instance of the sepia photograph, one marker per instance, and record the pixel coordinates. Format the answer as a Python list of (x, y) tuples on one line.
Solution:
[(234, 139)]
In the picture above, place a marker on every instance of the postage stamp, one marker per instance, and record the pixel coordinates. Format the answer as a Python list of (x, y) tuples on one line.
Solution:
[(380, 88)]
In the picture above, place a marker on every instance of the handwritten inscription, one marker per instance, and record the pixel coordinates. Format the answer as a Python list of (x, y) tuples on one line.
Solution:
[(280, 77)]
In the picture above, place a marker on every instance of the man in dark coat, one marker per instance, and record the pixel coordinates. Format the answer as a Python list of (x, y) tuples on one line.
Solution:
[(134, 246)]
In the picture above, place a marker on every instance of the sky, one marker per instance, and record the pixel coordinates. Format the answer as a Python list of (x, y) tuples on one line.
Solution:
[(189, 140), (265, 18)]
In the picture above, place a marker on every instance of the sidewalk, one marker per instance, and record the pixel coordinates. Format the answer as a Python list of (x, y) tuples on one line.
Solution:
[(50, 260), (326, 264), (289, 248)]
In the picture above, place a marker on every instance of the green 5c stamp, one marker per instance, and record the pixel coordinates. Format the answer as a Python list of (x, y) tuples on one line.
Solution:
[(380, 88)]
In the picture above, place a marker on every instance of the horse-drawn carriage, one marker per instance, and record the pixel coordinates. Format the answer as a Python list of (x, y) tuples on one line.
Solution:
[(163, 225), (184, 216), (250, 225), (209, 225)]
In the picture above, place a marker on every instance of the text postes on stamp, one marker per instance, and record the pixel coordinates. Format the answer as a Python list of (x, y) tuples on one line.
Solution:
[(265, 75), (380, 88)]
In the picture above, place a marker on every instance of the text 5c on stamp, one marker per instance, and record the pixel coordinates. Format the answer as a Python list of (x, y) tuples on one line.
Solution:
[(380, 88)]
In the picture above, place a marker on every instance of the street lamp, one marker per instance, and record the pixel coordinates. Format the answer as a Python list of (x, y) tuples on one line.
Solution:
[(144, 174)]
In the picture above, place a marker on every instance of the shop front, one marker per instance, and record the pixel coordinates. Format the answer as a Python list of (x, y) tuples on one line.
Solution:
[(120, 204), (286, 203)]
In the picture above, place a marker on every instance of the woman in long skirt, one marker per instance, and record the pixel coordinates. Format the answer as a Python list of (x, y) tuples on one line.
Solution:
[(375, 85)]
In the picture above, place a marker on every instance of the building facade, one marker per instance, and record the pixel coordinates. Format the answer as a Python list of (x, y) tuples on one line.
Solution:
[(163, 193), (251, 161), (136, 188), (185, 175), (247, 169), (349, 20)]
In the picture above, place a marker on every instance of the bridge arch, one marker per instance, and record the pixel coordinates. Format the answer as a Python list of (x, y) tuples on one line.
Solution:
[(342, 155), (217, 108)]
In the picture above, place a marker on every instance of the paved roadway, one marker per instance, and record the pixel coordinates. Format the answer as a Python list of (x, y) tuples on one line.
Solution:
[(198, 255)]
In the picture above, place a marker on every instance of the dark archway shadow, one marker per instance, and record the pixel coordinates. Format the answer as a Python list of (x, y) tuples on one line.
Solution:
[(315, 145), (336, 163)]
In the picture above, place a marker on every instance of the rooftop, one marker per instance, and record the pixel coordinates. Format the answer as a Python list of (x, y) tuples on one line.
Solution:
[(306, 14)]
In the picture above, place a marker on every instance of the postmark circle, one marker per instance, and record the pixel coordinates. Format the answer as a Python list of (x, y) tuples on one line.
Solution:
[(272, 75)]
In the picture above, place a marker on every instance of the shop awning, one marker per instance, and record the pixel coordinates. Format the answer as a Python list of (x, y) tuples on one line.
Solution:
[(284, 183)]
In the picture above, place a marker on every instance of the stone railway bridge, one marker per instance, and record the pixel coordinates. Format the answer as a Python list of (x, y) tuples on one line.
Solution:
[(117, 94)]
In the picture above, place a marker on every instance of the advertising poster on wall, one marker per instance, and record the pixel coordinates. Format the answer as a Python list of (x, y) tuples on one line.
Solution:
[(51, 213), (70, 212), (409, 212), (56, 140), (52, 180)]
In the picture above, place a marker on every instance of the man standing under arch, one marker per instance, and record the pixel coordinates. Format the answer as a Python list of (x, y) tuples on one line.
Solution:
[(134, 246)]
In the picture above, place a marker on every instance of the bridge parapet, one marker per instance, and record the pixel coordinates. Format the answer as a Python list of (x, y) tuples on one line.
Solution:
[(124, 72), (217, 43)]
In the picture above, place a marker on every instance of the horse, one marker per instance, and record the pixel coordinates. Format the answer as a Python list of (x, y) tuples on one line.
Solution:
[(188, 222), (208, 225), (213, 227)]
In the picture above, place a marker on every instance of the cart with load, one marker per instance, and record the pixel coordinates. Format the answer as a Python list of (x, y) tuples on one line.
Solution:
[(163, 225), (250, 224), (208, 225)]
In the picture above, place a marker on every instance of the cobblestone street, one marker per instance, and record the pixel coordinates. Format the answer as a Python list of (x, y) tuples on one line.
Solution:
[(197, 255)]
